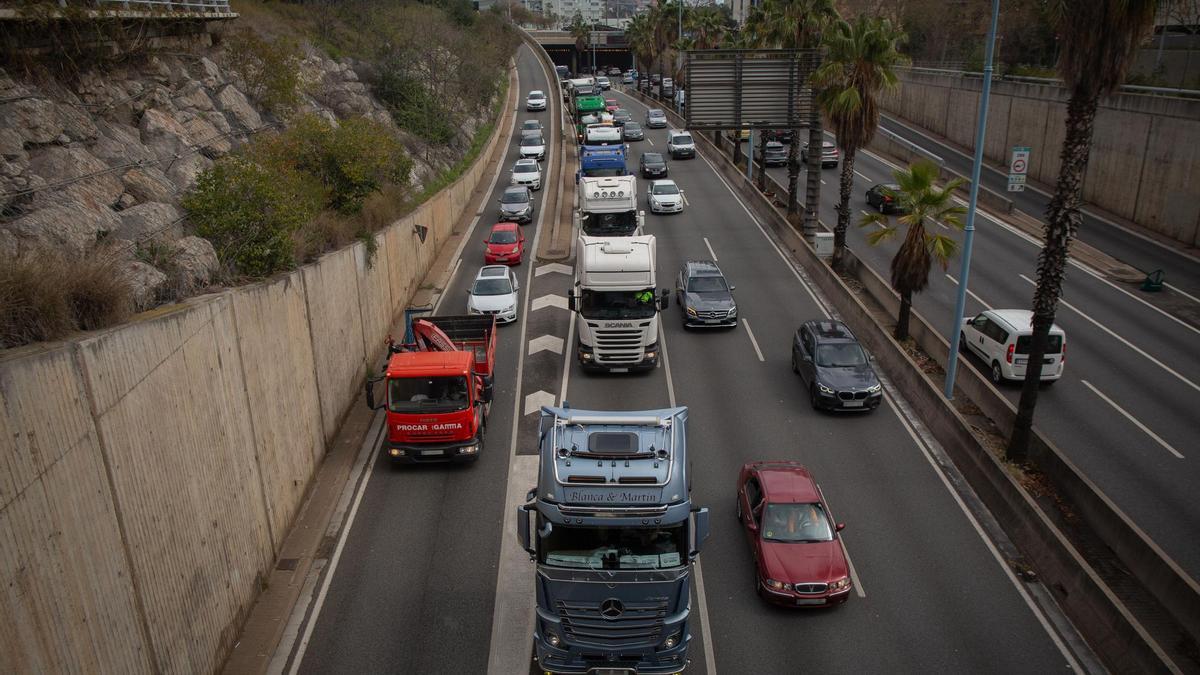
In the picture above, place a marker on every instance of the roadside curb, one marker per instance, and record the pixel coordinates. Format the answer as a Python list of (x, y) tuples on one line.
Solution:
[(555, 245)]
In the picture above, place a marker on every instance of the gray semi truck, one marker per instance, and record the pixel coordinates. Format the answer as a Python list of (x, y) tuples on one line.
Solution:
[(613, 532)]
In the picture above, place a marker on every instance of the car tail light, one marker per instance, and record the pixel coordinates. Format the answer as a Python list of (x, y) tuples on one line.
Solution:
[(1062, 355), (1008, 356), (887, 198)]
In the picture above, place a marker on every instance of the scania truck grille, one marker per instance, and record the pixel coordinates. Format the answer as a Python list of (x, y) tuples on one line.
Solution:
[(638, 623), (618, 345)]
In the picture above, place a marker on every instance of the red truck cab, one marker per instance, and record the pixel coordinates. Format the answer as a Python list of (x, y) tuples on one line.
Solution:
[(437, 392)]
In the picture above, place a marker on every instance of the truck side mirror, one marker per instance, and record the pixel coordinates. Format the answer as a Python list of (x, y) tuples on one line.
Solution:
[(571, 302), (370, 391), (485, 388), (523, 530), (699, 531), (664, 300)]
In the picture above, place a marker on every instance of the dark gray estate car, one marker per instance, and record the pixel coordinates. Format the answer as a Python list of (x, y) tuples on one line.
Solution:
[(705, 298), (834, 367)]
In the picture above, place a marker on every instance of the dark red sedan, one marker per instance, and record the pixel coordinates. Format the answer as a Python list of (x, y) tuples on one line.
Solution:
[(798, 556), (505, 245)]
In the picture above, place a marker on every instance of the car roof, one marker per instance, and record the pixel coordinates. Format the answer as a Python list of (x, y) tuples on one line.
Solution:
[(829, 330), (492, 271), (525, 161), (500, 227), (537, 91), (655, 111), (532, 123), (516, 189), (662, 181), (774, 145), (1019, 320), (702, 268), (787, 482)]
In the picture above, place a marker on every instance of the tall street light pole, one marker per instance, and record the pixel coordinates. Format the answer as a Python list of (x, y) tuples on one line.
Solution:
[(969, 231)]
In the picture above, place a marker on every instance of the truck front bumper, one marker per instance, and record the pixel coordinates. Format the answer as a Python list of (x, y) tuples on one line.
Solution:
[(421, 453), (571, 660), (591, 363)]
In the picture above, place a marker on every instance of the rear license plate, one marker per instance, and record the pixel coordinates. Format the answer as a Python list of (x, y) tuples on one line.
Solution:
[(852, 404), (428, 453), (810, 601)]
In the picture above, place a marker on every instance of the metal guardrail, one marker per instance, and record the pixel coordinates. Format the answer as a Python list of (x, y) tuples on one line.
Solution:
[(1126, 88), (191, 6)]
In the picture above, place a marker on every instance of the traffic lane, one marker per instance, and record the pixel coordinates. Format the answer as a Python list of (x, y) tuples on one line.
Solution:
[(425, 539), (771, 406), (1182, 271), (888, 502)]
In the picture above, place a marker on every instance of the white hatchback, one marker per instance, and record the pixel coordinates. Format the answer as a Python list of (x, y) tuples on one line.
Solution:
[(494, 292), (664, 196), (536, 100), (527, 172), (1002, 338)]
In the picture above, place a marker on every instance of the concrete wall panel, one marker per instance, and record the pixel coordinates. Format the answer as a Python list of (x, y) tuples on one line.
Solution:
[(335, 320), (66, 598), (1115, 163), (375, 296), (1173, 165), (994, 145), (1027, 127), (281, 387), (176, 428), (961, 117)]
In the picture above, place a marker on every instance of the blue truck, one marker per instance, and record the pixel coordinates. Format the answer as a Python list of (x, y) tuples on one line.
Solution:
[(601, 161), (613, 532)]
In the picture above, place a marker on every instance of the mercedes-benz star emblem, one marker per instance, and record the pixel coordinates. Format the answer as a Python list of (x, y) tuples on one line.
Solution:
[(611, 608)]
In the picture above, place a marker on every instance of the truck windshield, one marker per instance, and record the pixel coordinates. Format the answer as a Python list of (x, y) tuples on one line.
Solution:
[(609, 224), (603, 173), (614, 548), (617, 304), (427, 394)]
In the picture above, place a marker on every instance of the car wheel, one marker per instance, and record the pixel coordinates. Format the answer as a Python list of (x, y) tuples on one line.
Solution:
[(997, 374), (881, 209), (812, 397)]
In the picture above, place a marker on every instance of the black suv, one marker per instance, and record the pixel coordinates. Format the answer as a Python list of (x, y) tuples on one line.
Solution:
[(652, 165), (834, 367), (704, 296), (885, 198)]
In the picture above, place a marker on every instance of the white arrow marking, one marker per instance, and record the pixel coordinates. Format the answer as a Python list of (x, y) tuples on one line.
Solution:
[(548, 301), (536, 400), (554, 267), (546, 342)]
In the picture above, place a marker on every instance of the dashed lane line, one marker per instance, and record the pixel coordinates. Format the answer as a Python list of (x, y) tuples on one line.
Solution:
[(1133, 419)]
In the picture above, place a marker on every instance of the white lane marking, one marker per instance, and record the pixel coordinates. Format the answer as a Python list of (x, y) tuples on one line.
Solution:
[(551, 343), (549, 268), (1017, 584), (535, 401), (863, 176), (512, 630), (746, 323), (684, 198), (1181, 292), (550, 300), (879, 225), (649, 141), (970, 293), (1133, 419), (710, 660), (936, 469), (710, 249), (1122, 340), (822, 181), (858, 587), (366, 455)]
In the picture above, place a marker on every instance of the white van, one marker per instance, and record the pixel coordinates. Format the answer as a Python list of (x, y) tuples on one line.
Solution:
[(1002, 338), (680, 144)]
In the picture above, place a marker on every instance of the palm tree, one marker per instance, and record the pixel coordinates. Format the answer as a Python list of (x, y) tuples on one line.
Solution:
[(1098, 39), (859, 66), (798, 24), (707, 26), (921, 201), (665, 20), (582, 33), (640, 33)]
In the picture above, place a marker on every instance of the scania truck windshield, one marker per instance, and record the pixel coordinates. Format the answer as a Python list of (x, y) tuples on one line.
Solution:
[(432, 394), (613, 548), (617, 304)]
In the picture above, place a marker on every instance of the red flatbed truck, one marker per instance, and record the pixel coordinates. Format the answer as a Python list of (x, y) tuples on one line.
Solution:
[(438, 390)]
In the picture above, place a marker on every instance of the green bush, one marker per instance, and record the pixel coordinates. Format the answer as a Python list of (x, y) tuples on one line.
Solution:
[(271, 69), (250, 211), (414, 108)]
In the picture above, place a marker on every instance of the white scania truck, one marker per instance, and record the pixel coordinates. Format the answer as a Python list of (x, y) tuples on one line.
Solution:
[(608, 207), (616, 303)]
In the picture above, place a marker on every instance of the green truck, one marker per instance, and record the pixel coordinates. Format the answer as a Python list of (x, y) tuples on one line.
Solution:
[(587, 110)]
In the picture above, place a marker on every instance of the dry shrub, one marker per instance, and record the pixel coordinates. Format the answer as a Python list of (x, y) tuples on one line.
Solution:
[(46, 295)]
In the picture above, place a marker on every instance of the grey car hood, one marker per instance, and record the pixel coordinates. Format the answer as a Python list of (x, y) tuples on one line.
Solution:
[(709, 302), (852, 377)]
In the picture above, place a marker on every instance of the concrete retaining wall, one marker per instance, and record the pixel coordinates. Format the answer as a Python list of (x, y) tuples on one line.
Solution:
[(149, 472), (1145, 160)]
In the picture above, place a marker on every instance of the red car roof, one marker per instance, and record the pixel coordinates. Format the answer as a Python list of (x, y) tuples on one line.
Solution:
[(787, 482), (500, 227)]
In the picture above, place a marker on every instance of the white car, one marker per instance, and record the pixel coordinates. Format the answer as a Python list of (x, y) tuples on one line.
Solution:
[(527, 172), (533, 147), (494, 292), (664, 196), (679, 144), (603, 83), (602, 134), (1002, 338), (536, 100)]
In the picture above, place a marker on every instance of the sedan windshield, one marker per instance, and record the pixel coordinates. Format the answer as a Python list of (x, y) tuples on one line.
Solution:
[(652, 159), (796, 523), (616, 305), (513, 198), (532, 140), (845, 355), (706, 285), (613, 548), (632, 126), (427, 394), (665, 190), (504, 237), (492, 287)]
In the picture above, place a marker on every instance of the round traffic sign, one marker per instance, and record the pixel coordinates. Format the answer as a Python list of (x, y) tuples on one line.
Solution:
[(1018, 165)]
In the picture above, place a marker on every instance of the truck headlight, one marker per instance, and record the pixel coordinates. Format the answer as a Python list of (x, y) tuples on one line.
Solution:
[(824, 389), (469, 449), (691, 311), (552, 639)]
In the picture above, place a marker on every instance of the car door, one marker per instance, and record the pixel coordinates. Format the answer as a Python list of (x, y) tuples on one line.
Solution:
[(520, 244), (751, 499), (679, 286), (975, 334), (808, 348)]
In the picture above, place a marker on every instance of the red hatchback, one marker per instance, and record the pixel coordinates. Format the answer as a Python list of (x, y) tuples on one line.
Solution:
[(505, 245), (610, 104), (798, 556)]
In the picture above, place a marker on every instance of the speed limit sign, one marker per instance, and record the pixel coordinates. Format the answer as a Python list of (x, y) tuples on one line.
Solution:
[(1018, 166)]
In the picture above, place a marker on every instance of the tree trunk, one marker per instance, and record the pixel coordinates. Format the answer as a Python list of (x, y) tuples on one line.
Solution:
[(901, 332), (737, 148), (812, 192), (762, 165), (843, 209), (1062, 222)]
